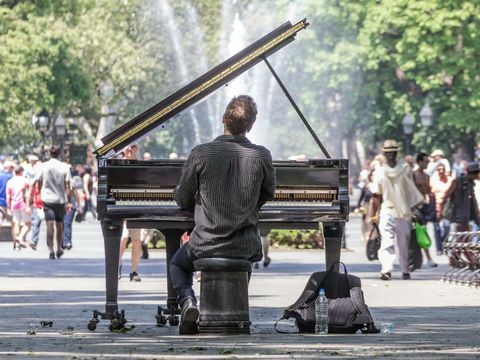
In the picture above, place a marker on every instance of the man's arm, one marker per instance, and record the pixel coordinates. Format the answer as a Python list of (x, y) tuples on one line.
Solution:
[(78, 199), (187, 188), (27, 193), (68, 189), (85, 181), (267, 191), (377, 198), (9, 201), (448, 194), (68, 192)]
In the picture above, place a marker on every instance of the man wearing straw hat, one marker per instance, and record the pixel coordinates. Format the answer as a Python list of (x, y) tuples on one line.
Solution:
[(394, 189)]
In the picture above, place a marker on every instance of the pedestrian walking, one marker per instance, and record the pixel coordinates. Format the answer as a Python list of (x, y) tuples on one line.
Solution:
[(54, 185), (462, 198), (133, 236), (427, 209), (6, 175), (438, 157), (38, 214), (394, 189), (88, 192), (18, 207), (70, 216), (440, 185), (264, 236)]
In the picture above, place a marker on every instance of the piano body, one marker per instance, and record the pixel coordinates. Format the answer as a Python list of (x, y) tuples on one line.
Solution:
[(308, 192)]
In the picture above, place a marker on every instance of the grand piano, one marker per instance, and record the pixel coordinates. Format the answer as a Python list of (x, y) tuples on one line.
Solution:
[(309, 193)]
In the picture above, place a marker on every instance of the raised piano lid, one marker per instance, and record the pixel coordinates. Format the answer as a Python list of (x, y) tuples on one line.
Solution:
[(137, 128)]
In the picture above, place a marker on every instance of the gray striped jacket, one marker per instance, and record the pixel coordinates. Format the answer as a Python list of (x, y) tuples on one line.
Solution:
[(226, 182)]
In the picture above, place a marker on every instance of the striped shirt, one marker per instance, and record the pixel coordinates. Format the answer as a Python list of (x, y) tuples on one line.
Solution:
[(226, 182)]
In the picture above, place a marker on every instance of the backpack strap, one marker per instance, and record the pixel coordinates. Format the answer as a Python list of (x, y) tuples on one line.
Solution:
[(345, 272), (310, 291), (339, 262), (364, 317), (374, 227)]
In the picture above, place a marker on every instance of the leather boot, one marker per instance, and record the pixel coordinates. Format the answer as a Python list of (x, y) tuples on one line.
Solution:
[(188, 318)]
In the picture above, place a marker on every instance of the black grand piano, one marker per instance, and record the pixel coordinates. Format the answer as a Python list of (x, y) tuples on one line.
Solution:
[(308, 194)]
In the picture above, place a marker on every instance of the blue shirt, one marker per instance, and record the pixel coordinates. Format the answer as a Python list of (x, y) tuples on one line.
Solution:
[(4, 177)]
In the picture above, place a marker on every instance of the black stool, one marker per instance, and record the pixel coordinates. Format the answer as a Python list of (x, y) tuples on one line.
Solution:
[(224, 296)]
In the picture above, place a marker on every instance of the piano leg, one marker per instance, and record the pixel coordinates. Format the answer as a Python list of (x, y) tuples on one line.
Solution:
[(333, 233), (112, 232), (172, 244)]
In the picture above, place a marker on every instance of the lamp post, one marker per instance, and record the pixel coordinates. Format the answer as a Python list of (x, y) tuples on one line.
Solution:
[(426, 115), (60, 129), (426, 118), (407, 124), (41, 122)]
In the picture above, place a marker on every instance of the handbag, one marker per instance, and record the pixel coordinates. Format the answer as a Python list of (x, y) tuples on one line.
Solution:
[(373, 244), (347, 311), (421, 234)]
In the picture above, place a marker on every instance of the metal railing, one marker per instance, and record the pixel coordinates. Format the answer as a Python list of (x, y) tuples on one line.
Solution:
[(463, 251)]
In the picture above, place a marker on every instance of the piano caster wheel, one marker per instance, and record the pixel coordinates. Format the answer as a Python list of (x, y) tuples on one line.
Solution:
[(161, 319), (117, 324), (92, 324), (173, 320), (118, 321)]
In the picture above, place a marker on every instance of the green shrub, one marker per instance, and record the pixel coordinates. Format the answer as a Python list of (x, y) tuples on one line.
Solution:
[(298, 239)]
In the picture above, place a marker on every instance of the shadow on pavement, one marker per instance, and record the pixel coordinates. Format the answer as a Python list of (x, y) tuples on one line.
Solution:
[(426, 332)]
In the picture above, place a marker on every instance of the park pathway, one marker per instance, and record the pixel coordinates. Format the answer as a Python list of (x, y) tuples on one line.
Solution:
[(432, 320)]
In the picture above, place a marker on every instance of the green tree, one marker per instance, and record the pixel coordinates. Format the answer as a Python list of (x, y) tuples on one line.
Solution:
[(39, 70), (425, 50)]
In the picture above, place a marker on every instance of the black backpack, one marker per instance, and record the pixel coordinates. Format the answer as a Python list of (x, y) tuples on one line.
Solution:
[(347, 311)]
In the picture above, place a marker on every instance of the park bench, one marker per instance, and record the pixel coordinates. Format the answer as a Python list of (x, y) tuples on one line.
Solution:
[(463, 251)]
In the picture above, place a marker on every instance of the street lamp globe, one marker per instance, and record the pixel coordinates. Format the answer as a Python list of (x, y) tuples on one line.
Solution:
[(407, 124), (60, 126), (426, 115), (43, 121)]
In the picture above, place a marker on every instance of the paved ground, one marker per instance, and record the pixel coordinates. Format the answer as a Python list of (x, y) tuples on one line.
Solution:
[(432, 320)]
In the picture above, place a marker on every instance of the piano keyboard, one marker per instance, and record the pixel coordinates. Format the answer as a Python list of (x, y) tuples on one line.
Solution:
[(268, 204)]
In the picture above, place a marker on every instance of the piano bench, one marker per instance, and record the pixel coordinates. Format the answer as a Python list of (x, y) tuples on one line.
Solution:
[(224, 295)]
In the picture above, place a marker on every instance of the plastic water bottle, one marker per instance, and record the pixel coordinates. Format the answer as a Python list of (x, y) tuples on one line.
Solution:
[(321, 313)]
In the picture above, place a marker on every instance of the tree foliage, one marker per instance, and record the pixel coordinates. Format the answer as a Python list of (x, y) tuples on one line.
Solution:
[(420, 51), (358, 69)]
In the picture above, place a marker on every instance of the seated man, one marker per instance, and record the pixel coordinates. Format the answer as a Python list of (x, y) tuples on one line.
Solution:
[(225, 182)]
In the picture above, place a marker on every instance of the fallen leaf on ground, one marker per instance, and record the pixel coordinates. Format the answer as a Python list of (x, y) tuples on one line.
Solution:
[(226, 351), (32, 331), (124, 329), (67, 331)]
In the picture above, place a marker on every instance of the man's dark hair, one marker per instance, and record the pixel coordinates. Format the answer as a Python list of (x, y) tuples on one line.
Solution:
[(240, 114), (18, 169), (421, 156), (55, 151)]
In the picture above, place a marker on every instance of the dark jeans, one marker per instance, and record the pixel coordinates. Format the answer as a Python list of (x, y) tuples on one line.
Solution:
[(181, 273), (67, 226), (89, 207), (442, 229)]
